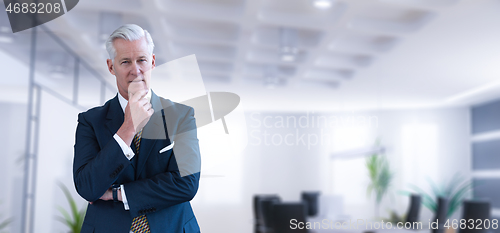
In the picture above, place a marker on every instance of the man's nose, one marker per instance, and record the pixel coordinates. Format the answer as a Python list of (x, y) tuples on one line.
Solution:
[(135, 69)]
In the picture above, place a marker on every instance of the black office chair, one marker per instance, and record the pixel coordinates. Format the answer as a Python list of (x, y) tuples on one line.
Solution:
[(259, 226), (312, 202), (414, 209), (284, 213), (442, 211), (267, 210), (475, 210)]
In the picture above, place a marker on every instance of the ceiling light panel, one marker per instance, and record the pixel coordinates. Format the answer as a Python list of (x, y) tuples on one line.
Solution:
[(122, 5), (336, 60), (364, 43), (207, 65), (219, 3), (315, 84), (261, 70), (389, 18), (203, 51), (222, 9), (424, 3), (329, 74), (300, 13), (273, 56), (216, 78), (270, 36), (323, 4), (207, 30)]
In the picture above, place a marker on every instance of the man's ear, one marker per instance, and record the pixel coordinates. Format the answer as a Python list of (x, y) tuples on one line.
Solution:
[(110, 66), (153, 62)]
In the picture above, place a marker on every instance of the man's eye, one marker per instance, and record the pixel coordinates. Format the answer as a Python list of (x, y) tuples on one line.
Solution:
[(123, 62), (142, 60)]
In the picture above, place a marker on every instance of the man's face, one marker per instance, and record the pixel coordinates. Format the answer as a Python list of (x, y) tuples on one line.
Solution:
[(132, 65)]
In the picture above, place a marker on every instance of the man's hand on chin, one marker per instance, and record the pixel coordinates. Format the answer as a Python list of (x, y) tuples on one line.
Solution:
[(140, 108), (137, 113)]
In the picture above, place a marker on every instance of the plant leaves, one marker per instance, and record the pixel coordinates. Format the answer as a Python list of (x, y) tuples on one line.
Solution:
[(5, 223), (456, 199), (437, 192), (455, 191), (454, 182), (380, 176), (74, 221)]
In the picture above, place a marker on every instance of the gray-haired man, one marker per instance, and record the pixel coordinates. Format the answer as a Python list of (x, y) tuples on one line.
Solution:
[(137, 158)]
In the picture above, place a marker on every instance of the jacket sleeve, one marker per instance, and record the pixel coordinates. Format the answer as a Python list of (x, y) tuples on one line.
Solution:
[(179, 184), (95, 169)]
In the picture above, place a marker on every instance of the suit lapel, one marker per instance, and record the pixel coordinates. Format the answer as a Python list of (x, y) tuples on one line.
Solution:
[(152, 131), (115, 116)]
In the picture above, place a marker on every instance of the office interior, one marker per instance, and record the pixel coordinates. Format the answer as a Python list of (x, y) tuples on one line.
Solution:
[(326, 88)]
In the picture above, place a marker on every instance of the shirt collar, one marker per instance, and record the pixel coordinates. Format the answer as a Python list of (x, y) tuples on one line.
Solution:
[(124, 102)]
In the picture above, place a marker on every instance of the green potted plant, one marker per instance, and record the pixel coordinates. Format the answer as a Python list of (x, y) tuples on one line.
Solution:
[(381, 177), (75, 220), (455, 191)]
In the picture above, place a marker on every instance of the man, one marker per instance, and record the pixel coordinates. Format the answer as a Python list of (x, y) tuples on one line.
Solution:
[(137, 157)]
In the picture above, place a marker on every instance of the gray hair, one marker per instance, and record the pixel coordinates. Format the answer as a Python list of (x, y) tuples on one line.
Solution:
[(129, 32)]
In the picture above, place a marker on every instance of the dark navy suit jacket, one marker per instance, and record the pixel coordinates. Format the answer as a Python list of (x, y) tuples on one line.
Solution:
[(159, 185)]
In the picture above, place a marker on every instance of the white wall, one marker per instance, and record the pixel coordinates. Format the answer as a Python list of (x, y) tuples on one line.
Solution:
[(419, 154), (13, 128), (55, 162), (420, 145), (55, 159)]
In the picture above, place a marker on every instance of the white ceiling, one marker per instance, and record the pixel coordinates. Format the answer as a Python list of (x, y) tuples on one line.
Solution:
[(358, 54)]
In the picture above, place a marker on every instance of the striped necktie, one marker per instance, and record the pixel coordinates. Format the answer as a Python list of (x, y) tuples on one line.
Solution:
[(140, 223), (137, 141)]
